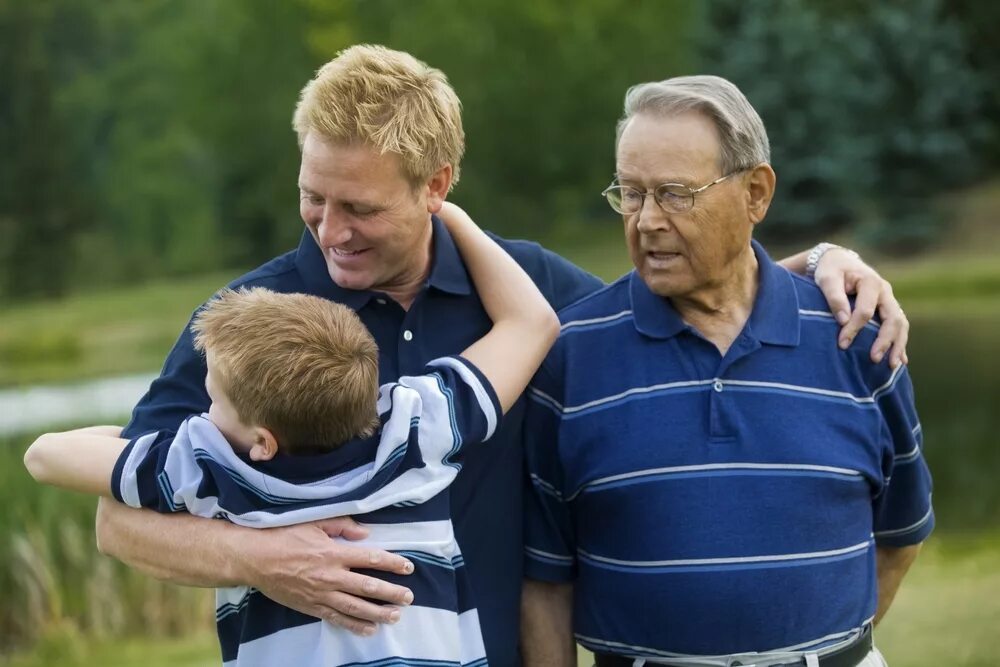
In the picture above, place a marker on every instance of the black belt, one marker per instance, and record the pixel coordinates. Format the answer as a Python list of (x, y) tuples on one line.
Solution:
[(849, 656)]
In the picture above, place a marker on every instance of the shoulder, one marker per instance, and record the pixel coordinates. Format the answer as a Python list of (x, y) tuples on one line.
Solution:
[(817, 318), (279, 274), (588, 322), (561, 281), (608, 301)]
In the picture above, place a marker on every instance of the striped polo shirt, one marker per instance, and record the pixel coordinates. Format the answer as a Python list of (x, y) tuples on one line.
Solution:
[(395, 483), (704, 504)]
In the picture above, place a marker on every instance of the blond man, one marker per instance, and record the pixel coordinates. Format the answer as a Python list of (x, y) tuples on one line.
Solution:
[(382, 141)]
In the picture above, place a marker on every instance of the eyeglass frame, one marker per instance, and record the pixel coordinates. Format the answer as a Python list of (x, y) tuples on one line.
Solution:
[(652, 191)]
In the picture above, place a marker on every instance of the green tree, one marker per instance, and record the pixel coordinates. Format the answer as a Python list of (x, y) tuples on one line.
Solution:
[(45, 195), (873, 109)]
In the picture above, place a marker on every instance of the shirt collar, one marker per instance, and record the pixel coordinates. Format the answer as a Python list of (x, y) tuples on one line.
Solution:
[(448, 272), (774, 318), (775, 315)]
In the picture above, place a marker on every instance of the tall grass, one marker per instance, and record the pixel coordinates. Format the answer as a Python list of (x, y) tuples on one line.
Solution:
[(55, 588)]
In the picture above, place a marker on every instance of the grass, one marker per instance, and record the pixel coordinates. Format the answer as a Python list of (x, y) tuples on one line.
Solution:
[(72, 650), (58, 591), (98, 334)]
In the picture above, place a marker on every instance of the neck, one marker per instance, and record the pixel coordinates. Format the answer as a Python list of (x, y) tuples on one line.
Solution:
[(721, 310), (408, 284)]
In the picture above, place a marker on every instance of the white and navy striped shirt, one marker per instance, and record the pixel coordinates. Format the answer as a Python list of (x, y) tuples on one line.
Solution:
[(395, 483), (705, 504)]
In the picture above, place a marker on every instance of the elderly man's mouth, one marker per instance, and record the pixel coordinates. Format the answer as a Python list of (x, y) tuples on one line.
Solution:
[(661, 259)]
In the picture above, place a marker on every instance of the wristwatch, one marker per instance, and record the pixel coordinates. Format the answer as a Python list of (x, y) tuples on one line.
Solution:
[(816, 254)]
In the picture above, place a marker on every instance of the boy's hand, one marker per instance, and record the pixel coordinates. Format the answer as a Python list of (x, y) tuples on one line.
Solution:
[(840, 273), (302, 568)]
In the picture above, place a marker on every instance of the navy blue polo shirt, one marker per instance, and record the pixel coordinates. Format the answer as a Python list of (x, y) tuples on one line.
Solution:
[(704, 504), (445, 318)]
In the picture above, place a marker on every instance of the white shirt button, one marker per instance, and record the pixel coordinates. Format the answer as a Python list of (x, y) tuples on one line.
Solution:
[(407, 335), (717, 385), (380, 302)]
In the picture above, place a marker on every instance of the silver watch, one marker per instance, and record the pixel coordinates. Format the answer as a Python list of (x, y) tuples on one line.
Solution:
[(816, 254)]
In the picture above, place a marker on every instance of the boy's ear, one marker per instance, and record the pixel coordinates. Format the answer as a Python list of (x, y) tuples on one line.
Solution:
[(265, 445)]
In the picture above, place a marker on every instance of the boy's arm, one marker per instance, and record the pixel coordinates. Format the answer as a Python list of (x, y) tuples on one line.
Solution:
[(524, 325), (80, 460)]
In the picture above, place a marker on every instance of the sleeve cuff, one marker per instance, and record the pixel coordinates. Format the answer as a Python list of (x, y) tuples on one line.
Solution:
[(544, 566), (907, 536)]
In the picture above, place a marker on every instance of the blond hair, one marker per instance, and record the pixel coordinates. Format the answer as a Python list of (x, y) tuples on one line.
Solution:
[(389, 100), (301, 366)]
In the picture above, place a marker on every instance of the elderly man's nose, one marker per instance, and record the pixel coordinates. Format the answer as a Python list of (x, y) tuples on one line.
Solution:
[(650, 216)]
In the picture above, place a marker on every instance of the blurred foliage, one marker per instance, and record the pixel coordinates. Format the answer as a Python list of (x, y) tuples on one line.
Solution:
[(57, 589), (874, 109), (153, 138)]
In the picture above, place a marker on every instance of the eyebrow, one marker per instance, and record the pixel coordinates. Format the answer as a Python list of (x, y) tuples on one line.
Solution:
[(670, 179)]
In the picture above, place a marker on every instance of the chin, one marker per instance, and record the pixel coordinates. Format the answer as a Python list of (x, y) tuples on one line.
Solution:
[(352, 281)]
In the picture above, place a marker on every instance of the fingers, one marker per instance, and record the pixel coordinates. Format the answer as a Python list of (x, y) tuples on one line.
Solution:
[(349, 623), (376, 589), (375, 559), (343, 526), (865, 303), (833, 289), (346, 609), (894, 333)]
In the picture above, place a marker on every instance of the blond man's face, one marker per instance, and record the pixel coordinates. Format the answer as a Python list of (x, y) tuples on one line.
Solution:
[(372, 225)]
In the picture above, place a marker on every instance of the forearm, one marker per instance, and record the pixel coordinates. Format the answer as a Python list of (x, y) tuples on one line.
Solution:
[(80, 460), (524, 325), (547, 625), (796, 263), (891, 565), (179, 548)]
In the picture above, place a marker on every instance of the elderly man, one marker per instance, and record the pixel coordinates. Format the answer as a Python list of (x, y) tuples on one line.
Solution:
[(711, 472), (381, 139)]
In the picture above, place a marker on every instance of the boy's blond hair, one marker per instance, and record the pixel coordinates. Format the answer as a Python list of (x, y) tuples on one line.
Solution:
[(303, 367), (389, 100)]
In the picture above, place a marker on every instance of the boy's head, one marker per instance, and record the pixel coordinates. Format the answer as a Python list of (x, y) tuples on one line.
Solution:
[(287, 370)]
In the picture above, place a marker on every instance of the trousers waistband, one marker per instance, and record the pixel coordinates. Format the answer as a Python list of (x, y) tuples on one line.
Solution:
[(847, 656)]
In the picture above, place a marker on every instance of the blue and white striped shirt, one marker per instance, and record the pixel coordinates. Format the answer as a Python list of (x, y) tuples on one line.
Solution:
[(709, 505), (395, 483)]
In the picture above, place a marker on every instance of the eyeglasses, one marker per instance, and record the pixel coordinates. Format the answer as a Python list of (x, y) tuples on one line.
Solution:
[(671, 197)]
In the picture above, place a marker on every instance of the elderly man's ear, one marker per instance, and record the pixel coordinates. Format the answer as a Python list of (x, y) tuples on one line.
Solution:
[(760, 190)]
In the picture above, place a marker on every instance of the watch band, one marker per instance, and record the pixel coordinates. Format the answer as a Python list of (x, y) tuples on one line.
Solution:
[(816, 254)]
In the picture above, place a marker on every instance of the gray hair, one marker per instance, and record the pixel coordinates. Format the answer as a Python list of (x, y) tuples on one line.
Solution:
[(742, 137)]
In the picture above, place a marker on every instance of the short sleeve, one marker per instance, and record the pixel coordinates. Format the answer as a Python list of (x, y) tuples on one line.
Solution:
[(903, 512), (458, 404), (139, 478), (550, 542)]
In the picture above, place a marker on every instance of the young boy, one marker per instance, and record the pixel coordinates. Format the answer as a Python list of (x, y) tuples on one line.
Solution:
[(293, 382)]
